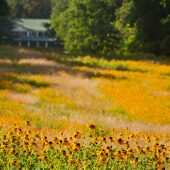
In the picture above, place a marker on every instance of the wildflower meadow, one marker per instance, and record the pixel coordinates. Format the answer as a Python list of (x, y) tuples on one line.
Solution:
[(64, 112)]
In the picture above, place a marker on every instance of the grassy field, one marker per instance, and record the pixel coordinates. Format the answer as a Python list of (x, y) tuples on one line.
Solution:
[(63, 112)]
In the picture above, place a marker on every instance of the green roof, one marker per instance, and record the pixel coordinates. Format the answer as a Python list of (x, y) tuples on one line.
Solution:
[(32, 24)]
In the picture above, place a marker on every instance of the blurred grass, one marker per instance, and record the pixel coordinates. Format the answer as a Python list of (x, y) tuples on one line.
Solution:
[(67, 95)]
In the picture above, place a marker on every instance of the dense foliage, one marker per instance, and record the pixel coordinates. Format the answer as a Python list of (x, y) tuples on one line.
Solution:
[(4, 9), (30, 8), (152, 30), (104, 26), (5, 23), (144, 25), (86, 26), (5, 30)]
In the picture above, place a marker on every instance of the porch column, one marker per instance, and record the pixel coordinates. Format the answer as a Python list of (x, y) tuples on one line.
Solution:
[(20, 44), (37, 44), (37, 33), (28, 34), (46, 44), (28, 44)]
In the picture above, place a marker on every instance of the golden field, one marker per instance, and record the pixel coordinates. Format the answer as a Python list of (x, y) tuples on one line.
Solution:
[(63, 112)]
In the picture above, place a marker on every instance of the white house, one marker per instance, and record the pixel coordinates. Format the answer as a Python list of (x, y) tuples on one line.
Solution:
[(33, 33)]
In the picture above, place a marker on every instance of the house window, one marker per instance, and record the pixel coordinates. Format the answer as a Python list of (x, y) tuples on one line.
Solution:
[(46, 34), (17, 34), (24, 34), (40, 34), (33, 34)]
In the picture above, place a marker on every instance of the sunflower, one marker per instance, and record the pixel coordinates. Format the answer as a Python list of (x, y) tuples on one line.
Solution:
[(120, 141), (92, 126)]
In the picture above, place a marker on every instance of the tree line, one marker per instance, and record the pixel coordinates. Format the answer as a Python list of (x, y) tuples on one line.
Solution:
[(101, 27), (107, 26), (30, 8)]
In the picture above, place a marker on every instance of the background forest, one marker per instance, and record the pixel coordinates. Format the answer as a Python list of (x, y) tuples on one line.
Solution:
[(99, 27)]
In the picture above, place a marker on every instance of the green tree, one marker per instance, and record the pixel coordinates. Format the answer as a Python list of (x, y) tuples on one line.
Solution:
[(5, 23), (144, 25), (127, 28), (165, 32), (59, 17), (42, 9), (86, 26), (151, 31), (30, 8), (149, 14), (4, 9)]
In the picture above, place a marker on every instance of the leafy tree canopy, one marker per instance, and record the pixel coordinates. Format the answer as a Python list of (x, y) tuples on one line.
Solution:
[(5, 23), (4, 9), (86, 26), (30, 8), (145, 25)]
